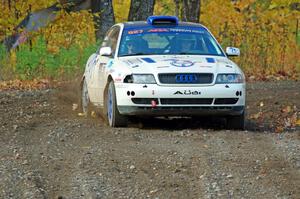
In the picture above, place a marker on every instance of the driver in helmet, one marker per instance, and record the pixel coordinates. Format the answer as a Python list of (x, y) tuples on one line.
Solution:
[(186, 45), (130, 47)]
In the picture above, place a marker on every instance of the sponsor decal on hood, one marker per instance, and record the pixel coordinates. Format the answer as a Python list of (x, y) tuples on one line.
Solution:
[(133, 61), (148, 60), (180, 63), (210, 60)]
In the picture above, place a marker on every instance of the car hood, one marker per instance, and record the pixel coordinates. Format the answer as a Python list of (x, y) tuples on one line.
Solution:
[(179, 63)]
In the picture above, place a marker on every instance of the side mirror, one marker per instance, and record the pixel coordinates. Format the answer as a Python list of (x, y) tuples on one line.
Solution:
[(105, 51), (232, 51)]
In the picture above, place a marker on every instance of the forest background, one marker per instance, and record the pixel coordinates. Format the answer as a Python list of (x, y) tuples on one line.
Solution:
[(266, 31)]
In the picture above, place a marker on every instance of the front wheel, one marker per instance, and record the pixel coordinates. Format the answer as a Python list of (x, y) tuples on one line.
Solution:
[(236, 122), (114, 118), (84, 104)]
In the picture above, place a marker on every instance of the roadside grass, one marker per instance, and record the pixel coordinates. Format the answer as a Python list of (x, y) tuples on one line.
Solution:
[(35, 61)]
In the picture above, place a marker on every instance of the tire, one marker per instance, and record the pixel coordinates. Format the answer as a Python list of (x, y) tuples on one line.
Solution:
[(84, 105), (236, 122), (114, 118)]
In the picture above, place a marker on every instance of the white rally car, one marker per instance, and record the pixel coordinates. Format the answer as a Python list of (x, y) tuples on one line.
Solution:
[(163, 67)]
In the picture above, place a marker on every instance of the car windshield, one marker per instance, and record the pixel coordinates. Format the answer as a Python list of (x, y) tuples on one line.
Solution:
[(168, 41)]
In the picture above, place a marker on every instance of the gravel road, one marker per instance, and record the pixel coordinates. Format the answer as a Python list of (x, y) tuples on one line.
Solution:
[(48, 151)]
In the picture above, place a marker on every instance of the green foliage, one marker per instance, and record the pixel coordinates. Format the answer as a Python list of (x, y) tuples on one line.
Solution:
[(298, 38), (29, 59), (2, 59), (36, 62), (2, 52)]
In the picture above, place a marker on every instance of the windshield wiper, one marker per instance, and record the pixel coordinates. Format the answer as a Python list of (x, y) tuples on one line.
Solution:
[(134, 54), (191, 53)]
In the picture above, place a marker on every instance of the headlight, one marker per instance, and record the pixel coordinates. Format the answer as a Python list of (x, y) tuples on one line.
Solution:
[(229, 78), (140, 79)]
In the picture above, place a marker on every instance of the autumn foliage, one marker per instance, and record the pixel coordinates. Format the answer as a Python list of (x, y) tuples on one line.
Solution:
[(266, 31)]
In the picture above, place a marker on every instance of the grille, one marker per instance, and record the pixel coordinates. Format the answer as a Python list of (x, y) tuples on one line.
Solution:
[(186, 101), (143, 100), (226, 100), (185, 78), (194, 101)]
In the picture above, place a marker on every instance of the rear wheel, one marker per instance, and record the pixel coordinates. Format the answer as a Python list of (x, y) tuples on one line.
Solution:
[(114, 118), (236, 122)]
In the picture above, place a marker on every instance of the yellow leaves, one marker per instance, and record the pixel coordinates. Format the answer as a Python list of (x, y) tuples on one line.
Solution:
[(53, 49), (69, 29), (121, 10), (256, 116), (261, 104), (286, 123), (166, 7), (74, 107), (27, 84), (288, 118), (226, 24), (287, 109), (93, 114), (243, 4), (298, 122), (81, 114), (283, 118), (264, 35)]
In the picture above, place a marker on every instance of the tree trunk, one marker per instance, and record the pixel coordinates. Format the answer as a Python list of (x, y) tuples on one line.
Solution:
[(32, 22), (103, 16), (177, 7), (140, 10), (191, 10)]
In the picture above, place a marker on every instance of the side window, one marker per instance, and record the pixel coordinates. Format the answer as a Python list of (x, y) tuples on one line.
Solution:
[(111, 39), (105, 42)]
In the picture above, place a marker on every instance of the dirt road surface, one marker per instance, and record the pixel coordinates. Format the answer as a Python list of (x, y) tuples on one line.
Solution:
[(48, 151)]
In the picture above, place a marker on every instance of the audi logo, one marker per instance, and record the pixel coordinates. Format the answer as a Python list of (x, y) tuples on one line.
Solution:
[(186, 78)]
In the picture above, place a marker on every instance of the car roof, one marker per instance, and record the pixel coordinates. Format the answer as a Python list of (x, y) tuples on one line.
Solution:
[(137, 24)]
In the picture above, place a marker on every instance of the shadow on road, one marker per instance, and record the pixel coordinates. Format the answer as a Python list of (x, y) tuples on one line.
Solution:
[(180, 123)]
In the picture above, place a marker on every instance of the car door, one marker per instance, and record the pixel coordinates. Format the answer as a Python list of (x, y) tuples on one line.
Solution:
[(98, 79)]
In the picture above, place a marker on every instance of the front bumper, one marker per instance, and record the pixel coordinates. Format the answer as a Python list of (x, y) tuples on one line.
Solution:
[(181, 111), (136, 99)]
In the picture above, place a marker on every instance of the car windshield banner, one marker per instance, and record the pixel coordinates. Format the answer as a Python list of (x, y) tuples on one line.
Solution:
[(141, 30)]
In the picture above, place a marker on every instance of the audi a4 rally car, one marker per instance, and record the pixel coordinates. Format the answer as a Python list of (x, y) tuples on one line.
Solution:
[(163, 67)]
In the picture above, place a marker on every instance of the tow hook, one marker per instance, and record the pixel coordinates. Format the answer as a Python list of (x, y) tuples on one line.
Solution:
[(153, 103)]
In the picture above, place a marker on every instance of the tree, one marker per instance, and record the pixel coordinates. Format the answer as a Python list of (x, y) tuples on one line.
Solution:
[(103, 18), (188, 10), (140, 10)]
